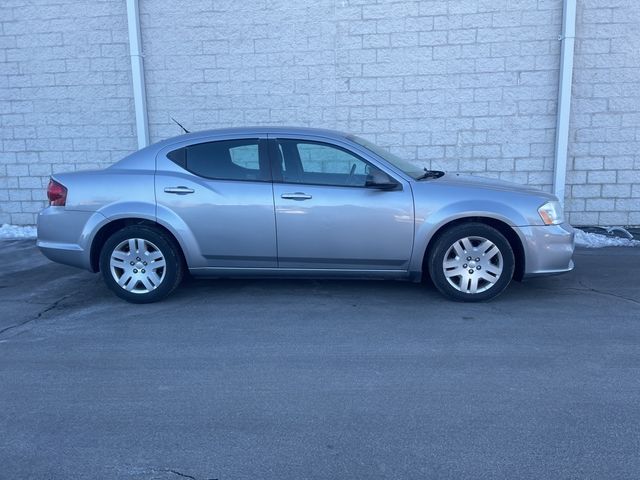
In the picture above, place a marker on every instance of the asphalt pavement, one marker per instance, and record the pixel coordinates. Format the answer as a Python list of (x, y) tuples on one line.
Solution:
[(305, 379)]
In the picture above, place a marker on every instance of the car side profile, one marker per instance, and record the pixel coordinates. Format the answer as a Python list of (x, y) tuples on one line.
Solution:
[(302, 202)]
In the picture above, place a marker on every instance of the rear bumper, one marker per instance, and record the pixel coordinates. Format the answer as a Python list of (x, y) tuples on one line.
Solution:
[(548, 249), (64, 236)]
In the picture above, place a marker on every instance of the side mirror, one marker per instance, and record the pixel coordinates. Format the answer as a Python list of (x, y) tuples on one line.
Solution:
[(378, 179)]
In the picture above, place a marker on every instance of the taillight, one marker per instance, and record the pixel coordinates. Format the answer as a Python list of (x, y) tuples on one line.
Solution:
[(56, 193)]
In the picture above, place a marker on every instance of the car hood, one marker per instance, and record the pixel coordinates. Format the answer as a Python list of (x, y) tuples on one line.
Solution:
[(459, 180)]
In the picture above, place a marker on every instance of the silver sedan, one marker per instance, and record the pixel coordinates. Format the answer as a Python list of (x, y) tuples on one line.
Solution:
[(297, 202)]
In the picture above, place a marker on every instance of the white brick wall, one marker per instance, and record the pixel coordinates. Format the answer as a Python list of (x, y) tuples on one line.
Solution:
[(605, 123), (467, 85), (65, 95)]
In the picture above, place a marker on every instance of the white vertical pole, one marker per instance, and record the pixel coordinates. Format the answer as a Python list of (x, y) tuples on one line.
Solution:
[(137, 73), (564, 97)]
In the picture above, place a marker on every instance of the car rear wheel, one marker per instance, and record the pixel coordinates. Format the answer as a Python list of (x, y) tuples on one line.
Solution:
[(140, 264), (471, 262)]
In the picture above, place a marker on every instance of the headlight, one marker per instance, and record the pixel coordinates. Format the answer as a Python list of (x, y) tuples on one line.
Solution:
[(551, 213)]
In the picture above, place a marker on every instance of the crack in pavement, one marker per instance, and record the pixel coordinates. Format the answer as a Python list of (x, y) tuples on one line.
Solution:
[(591, 290), (181, 474), (595, 290), (176, 472), (39, 315)]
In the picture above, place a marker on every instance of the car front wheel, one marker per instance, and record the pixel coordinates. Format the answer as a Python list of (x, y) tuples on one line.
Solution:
[(471, 262), (140, 264)]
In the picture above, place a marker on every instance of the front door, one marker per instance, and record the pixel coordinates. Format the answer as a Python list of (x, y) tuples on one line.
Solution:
[(327, 218)]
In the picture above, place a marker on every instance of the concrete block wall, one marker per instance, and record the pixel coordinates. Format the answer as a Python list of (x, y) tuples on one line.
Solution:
[(460, 85), (65, 96), (464, 85), (604, 176)]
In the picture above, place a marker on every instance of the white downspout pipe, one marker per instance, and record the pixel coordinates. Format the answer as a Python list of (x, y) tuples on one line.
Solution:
[(137, 73), (564, 97)]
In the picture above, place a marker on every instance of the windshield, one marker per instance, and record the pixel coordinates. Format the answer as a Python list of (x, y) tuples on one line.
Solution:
[(407, 167)]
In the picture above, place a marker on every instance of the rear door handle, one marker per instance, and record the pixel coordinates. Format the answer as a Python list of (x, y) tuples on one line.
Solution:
[(179, 190), (296, 196)]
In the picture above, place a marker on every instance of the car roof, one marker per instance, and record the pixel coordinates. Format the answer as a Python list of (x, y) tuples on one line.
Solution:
[(132, 161), (261, 129)]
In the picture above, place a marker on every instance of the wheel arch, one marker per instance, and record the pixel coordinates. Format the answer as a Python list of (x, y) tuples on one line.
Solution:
[(113, 226), (502, 227)]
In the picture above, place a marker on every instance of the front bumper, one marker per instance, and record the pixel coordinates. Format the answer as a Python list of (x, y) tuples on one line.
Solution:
[(548, 249)]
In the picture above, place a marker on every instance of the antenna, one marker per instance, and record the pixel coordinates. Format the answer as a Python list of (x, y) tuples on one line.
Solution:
[(178, 123)]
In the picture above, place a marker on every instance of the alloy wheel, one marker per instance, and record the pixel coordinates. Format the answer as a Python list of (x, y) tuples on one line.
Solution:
[(473, 264), (137, 265)]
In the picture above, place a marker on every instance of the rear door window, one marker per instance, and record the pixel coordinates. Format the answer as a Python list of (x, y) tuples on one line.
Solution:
[(223, 160)]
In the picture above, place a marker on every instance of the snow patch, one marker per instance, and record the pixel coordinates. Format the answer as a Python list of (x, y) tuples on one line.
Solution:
[(596, 240), (15, 231)]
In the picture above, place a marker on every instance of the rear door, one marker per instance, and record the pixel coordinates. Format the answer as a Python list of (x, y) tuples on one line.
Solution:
[(221, 190), (327, 218)]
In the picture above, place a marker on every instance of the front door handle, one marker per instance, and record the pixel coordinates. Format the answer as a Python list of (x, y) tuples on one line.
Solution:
[(296, 196), (179, 190)]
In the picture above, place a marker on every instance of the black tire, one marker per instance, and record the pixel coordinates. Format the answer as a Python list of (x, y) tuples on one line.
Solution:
[(459, 277), (152, 244)]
